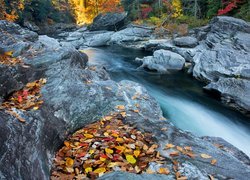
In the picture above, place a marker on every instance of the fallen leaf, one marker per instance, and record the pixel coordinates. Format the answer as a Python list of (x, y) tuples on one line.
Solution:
[(66, 143), (182, 178), (137, 153), (100, 170), (69, 162), (174, 153), (110, 151), (206, 156), (163, 171), (120, 107), (213, 161), (88, 169), (168, 146), (89, 136), (130, 159)]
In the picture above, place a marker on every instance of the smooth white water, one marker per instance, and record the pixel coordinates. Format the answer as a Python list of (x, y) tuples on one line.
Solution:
[(181, 98)]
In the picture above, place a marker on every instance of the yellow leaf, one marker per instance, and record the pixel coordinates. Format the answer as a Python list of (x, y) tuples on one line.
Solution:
[(106, 134), (88, 169), (131, 159), (110, 151), (213, 161), (112, 164), (9, 53), (120, 140), (206, 156), (89, 136), (163, 171), (102, 159), (137, 153), (35, 108), (100, 170), (91, 151), (69, 162)]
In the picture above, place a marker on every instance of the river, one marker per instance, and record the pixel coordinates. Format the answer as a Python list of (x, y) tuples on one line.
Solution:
[(181, 97)]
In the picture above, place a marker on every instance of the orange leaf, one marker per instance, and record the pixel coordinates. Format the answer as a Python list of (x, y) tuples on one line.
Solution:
[(69, 162), (213, 161), (89, 136), (120, 107), (175, 153), (168, 146), (137, 153), (163, 171)]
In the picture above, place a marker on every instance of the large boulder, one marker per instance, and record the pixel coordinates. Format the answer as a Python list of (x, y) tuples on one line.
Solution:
[(186, 41), (224, 53), (235, 92), (131, 34), (162, 61), (108, 21)]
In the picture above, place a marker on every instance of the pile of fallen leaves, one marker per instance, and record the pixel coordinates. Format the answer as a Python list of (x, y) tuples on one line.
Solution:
[(27, 98), (105, 146), (8, 59)]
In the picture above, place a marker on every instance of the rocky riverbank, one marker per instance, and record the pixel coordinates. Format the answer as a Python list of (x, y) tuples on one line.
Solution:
[(217, 54), (74, 97)]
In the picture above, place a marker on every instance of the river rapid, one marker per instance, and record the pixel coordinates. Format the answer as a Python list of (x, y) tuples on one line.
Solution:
[(181, 97)]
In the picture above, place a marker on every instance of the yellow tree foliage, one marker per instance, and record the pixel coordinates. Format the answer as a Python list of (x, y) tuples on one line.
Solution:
[(177, 8), (85, 10), (10, 13)]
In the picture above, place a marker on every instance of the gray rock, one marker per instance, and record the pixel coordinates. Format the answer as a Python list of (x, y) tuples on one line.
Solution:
[(31, 26), (131, 34), (162, 61), (235, 92), (79, 59), (186, 41), (108, 21), (99, 39), (222, 58)]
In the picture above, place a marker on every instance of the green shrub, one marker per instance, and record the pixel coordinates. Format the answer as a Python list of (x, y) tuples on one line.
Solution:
[(192, 21)]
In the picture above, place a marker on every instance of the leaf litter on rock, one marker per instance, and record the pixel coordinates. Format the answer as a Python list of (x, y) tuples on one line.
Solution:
[(26, 99), (93, 153), (110, 145)]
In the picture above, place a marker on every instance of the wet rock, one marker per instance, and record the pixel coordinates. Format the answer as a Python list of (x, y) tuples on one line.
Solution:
[(108, 21), (79, 59), (162, 61), (186, 41), (234, 92)]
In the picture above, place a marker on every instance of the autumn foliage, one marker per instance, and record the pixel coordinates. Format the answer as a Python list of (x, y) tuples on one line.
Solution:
[(229, 5)]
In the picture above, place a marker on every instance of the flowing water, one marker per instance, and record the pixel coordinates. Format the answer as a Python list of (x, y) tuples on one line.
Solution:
[(181, 97)]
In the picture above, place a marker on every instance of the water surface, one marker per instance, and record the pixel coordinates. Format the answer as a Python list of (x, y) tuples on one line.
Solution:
[(181, 97)]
